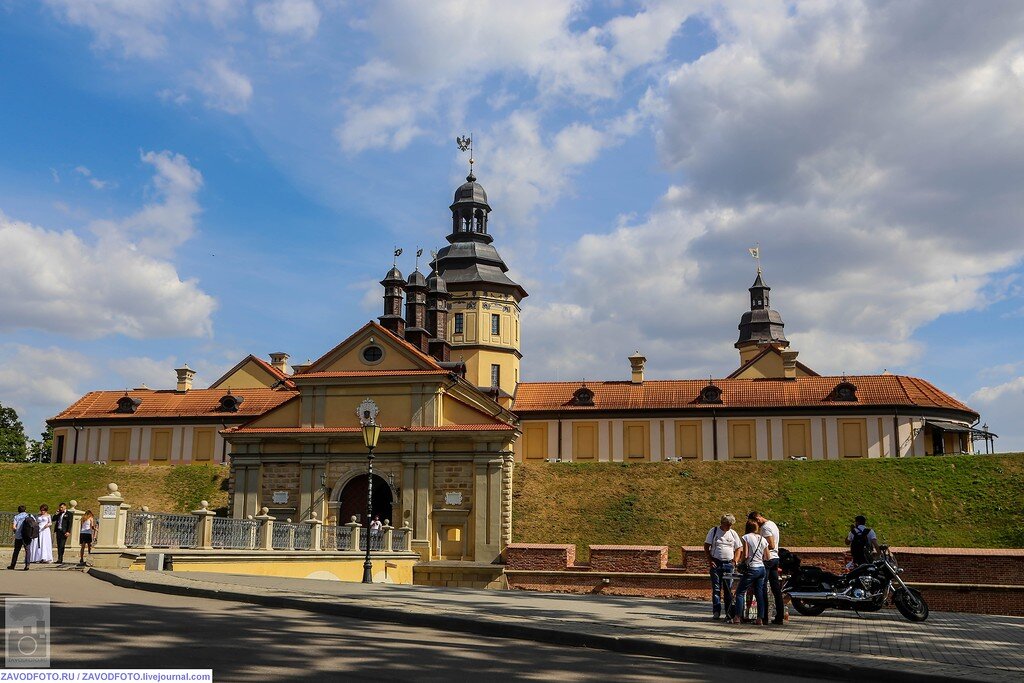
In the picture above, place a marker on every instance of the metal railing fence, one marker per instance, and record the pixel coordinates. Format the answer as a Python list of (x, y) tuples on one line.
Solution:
[(235, 534), (376, 539), (135, 529), (398, 539), (174, 531), (284, 536)]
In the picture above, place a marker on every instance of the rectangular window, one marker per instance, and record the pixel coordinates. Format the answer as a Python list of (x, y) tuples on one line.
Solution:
[(495, 375), (458, 323), (688, 439), (495, 323), (535, 441), (796, 438), (160, 447), (584, 441), (202, 444), (742, 439), (853, 438), (120, 440), (636, 440), (59, 451)]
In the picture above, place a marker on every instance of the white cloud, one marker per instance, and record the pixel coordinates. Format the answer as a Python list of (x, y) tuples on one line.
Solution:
[(224, 88), (136, 25), (874, 157), (121, 283), (34, 378), (1001, 406), (93, 180), (382, 124), (296, 17), (135, 371)]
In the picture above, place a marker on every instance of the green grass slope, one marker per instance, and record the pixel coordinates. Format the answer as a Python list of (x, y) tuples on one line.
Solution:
[(965, 501), (177, 488)]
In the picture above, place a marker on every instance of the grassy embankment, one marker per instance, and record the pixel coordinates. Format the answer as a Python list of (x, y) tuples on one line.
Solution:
[(965, 501), (176, 488)]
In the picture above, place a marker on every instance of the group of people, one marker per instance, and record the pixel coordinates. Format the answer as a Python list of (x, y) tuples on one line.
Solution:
[(754, 557), (35, 534)]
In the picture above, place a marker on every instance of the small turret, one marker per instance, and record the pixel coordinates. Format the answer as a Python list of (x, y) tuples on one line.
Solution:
[(416, 311), (761, 326), (394, 287), (437, 318)]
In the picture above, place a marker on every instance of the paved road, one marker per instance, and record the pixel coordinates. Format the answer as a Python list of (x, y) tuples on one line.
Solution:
[(98, 624)]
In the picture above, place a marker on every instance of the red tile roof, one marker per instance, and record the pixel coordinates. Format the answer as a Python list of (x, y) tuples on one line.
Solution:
[(167, 403), (355, 430), (802, 392)]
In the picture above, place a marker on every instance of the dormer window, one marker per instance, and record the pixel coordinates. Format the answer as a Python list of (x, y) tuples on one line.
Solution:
[(583, 397), (710, 394), (230, 403), (845, 391), (127, 404)]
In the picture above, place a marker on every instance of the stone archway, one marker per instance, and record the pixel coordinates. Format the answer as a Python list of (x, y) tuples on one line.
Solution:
[(352, 499)]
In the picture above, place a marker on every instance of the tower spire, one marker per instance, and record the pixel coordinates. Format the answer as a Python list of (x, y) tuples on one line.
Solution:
[(466, 143)]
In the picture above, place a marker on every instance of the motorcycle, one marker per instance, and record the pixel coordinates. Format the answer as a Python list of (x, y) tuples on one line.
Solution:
[(867, 588)]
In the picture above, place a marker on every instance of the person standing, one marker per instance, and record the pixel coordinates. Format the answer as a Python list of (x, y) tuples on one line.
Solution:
[(62, 529), (19, 542), (85, 537), (860, 539), (770, 531), (720, 546), (751, 553), (41, 549)]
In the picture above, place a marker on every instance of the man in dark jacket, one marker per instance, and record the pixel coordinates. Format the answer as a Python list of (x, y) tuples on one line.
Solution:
[(17, 526), (62, 529)]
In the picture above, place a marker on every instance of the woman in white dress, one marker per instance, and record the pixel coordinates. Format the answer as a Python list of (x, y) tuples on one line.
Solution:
[(41, 549)]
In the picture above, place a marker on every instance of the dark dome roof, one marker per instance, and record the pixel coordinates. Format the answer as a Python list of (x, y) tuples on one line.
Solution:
[(394, 274), (470, 191), (416, 279), (435, 283)]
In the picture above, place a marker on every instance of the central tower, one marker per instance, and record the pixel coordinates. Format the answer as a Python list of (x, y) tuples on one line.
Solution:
[(483, 327)]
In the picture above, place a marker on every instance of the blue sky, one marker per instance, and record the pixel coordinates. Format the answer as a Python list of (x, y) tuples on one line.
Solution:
[(192, 182)]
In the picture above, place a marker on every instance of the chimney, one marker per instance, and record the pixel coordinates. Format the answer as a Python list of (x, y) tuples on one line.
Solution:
[(185, 375), (636, 363), (789, 364), (279, 361)]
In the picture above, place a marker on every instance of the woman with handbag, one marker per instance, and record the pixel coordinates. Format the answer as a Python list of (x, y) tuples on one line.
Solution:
[(751, 566)]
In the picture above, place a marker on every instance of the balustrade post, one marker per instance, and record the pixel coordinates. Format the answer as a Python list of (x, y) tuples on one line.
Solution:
[(266, 529), (386, 530), (112, 519), (290, 545), (253, 534), (315, 532), (407, 545), (204, 526), (76, 522), (353, 539), (147, 528)]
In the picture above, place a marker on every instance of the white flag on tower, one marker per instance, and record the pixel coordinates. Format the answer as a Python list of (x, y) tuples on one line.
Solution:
[(755, 252)]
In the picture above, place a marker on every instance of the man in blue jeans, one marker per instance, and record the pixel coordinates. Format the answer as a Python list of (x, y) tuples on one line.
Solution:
[(18, 542), (721, 546)]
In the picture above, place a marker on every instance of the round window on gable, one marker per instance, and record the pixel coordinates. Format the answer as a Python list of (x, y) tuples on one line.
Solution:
[(372, 355)]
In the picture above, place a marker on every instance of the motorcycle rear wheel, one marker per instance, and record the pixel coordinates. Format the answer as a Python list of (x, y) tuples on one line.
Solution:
[(808, 609), (911, 604)]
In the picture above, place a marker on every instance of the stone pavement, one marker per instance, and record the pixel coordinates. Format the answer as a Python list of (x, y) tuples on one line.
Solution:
[(883, 646)]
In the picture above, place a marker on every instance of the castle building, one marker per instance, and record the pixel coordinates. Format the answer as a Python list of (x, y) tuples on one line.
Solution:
[(441, 366)]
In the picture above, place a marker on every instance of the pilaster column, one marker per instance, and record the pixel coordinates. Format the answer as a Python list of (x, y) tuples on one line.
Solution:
[(353, 543), (76, 522), (387, 530)]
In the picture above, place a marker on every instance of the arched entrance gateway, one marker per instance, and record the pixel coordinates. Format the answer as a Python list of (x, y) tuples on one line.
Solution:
[(352, 501)]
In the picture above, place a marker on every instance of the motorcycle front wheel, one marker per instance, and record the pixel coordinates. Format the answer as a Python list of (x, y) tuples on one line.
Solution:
[(808, 609), (911, 604)]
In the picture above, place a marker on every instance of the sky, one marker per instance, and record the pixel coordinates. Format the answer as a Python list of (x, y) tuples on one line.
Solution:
[(190, 182)]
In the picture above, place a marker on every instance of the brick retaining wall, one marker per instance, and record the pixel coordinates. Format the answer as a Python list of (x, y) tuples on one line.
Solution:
[(983, 581)]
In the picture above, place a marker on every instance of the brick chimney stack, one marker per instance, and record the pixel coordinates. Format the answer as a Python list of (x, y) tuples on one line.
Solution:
[(279, 361), (636, 363), (185, 376)]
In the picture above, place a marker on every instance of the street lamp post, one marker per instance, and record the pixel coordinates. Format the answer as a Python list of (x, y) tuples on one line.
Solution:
[(371, 432)]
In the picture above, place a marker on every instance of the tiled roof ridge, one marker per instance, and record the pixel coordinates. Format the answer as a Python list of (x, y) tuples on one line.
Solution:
[(377, 328)]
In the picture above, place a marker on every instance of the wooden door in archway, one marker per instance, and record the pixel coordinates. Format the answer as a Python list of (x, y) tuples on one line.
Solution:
[(352, 501)]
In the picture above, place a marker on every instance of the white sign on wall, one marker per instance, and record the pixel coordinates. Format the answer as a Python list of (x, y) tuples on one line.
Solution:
[(453, 498), (108, 512), (280, 497)]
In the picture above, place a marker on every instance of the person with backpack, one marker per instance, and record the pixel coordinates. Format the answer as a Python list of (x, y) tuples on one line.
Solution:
[(862, 541), (25, 529)]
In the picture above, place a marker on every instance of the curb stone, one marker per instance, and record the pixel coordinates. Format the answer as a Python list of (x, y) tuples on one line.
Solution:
[(886, 670)]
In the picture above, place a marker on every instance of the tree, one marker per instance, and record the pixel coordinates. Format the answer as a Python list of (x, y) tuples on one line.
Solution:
[(13, 444), (39, 451)]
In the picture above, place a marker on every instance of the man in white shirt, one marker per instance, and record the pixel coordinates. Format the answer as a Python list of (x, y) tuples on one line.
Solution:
[(770, 531), (721, 546)]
